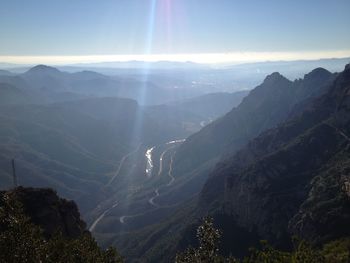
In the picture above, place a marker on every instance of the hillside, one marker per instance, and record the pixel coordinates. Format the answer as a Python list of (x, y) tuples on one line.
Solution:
[(47, 210), (289, 180), (261, 173), (76, 146), (9, 94), (292, 179), (38, 226), (264, 107), (212, 105)]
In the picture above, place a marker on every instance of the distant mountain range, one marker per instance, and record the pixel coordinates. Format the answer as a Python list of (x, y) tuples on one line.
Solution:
[(52, 84), (211, 78)]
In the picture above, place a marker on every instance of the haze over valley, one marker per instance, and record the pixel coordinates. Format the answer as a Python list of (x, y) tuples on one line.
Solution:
[(208, 130)]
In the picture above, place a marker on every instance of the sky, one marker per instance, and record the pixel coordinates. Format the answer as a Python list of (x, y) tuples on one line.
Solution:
[(73, 31)]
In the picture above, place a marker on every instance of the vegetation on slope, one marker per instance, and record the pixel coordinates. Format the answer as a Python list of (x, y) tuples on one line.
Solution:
[(208, 251), (23, 241)]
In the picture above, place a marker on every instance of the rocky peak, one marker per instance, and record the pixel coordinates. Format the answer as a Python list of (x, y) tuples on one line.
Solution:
[(47, 210), (318, 74), (274, 78)]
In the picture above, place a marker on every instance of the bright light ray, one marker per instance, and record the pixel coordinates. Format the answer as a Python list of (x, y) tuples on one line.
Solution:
[(139, 121), (166, 10)]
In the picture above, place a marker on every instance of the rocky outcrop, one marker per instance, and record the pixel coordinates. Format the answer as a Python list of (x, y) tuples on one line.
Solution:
[(47, 210)]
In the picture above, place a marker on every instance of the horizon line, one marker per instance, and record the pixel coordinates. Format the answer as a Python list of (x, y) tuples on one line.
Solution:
[(200, 58)]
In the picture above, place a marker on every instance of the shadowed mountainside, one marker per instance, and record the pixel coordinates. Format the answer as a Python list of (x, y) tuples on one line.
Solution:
[(291, 179)]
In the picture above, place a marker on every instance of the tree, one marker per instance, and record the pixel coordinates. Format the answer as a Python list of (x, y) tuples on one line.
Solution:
[(207, 251), (22, 241)]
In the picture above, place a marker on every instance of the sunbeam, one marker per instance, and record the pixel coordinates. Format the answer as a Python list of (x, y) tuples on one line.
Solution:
[(139, 121)]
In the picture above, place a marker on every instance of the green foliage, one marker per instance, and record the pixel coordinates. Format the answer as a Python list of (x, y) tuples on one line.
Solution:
[(207, 252), (22, 241), (302, 253), (337, 251), (267, 254)]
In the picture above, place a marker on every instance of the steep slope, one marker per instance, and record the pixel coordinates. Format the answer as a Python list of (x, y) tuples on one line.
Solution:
[(62, 148), (292, 179), (77, 146), (47, 210), (212, 105), (36, 225), (256, 113), (264, 107)]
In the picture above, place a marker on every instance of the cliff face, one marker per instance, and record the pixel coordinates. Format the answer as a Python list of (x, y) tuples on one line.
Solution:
[(37, 226), (293, 179), (266, 106), (47, 210)]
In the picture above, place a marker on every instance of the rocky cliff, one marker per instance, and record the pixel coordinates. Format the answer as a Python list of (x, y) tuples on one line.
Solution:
[(293, 179), (47, 210)]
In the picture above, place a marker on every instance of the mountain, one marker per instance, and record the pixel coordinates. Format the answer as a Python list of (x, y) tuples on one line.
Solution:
[(291, 69), (9, 94), (140, 177), (65, 138), (76, 146), (56, 146), (47, 210), (265, 106), (234, 192), (201, 78), (43, 69), (37, 225), (54, 85), (291, 179)]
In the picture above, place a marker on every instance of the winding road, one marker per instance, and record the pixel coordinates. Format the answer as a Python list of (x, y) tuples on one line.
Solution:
[(161, 160), (122, 219), (95, 223), (121, 165), (149, 168), (151, 200), (170, 172)]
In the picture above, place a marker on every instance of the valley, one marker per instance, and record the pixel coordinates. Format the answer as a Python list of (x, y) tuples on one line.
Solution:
[(154, 179), (175, 131), (140, 173)]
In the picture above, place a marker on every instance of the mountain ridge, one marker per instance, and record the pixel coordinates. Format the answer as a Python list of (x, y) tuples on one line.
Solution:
[(295, 167)]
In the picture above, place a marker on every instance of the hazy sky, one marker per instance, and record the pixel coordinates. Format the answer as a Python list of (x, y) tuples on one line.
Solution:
[(126, 27)]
